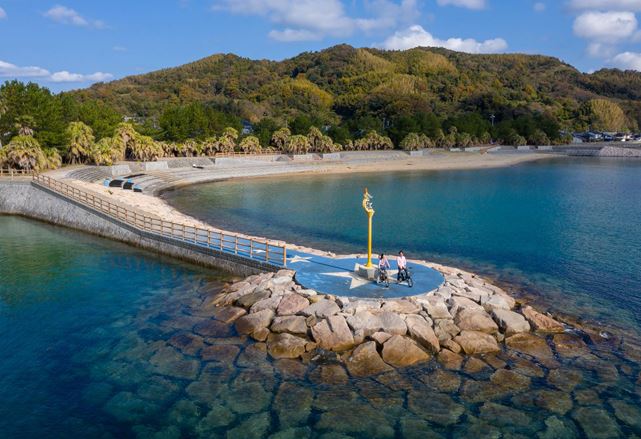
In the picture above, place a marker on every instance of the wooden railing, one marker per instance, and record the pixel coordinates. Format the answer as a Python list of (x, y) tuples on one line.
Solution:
[(251, 248), (15, 172)]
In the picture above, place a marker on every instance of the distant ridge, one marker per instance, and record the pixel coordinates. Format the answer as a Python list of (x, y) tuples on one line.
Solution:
[(343, 82)]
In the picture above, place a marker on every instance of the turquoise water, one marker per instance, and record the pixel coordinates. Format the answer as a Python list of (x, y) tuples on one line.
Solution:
[(568, 230), (101, 340)]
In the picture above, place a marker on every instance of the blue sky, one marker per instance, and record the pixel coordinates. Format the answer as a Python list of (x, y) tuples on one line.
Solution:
[(71, 44)]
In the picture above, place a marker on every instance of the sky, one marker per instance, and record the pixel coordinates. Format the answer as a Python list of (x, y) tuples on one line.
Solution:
[(73, 43)]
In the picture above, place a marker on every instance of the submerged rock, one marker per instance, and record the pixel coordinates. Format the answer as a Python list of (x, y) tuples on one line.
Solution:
[(365, 361), (168, 361), (254, 427), (402, 351), (596, 423), (253, 322), (437, 407), (285, 345), (227, 314)]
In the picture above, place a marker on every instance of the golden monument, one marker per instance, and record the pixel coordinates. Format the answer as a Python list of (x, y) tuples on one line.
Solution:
[(369, 209)]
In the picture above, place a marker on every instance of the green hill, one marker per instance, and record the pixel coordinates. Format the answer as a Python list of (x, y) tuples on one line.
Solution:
[(370, 88)]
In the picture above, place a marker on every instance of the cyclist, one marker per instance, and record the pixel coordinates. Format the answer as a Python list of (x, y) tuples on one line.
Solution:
[(401, 262)]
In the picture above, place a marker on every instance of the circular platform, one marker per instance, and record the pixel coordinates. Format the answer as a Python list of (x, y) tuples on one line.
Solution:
[(336, 276)]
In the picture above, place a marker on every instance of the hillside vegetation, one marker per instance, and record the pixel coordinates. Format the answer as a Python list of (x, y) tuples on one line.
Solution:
[(341, 98)]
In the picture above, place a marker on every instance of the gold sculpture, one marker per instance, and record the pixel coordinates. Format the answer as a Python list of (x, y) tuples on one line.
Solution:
[(369, 209)]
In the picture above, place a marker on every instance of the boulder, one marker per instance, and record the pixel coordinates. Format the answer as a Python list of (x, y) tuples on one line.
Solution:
[(380, 337), (333, 334), (270, 303), (401, 307), (248, 300), (475, 342), (445, 329), (475, 320), (541, 322), (292, 304), (392, 323), (251, 322), (421, 331), (495, 301), (370, 323), (402, 351), (510, 322), (436, 307), (291, 324), (285, 345), (365, 361), (321, 309), (457, 304)]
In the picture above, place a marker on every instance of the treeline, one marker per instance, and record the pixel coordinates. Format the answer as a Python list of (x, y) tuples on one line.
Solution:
[(42, 130)]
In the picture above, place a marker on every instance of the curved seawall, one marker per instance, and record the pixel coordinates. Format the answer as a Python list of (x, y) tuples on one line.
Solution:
[(26, 199)]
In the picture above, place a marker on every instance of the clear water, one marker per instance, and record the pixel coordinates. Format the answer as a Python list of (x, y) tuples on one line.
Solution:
[(102, 340), (567, 229)]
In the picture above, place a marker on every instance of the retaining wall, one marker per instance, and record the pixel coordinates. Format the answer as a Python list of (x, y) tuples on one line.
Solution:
[(23, 198)]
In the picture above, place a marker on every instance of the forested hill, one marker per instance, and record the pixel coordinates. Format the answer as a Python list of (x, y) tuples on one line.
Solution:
[(374, 89)]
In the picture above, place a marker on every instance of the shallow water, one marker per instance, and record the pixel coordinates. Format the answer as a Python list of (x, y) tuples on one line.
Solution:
[(103, 340), (568, 229)]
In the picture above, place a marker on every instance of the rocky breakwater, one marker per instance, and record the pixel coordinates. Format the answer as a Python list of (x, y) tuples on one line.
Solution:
[(466, 315)]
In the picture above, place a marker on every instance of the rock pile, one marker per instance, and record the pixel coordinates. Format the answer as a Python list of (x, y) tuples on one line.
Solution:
[(465, 315)]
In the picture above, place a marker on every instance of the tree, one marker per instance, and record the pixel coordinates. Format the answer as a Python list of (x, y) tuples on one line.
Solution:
[(297, 144), (606, 115), (538, 138), (374, 141), (227, 142), (104, 152), (24, 152), (80, 140), (280, 139), (250, 145), (411, 142)]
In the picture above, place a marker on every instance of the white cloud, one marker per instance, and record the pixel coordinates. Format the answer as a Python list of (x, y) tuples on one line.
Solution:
[(608, 5), (470, 4), (607, 27), (628, 61), (65, 76), (64, 15), (3, 14), (539, 7), (8, 70), (308, 20), (416, 36)]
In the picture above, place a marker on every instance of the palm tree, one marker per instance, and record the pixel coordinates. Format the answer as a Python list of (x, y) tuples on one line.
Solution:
[(81, 140), (24, 152), (250, 144)]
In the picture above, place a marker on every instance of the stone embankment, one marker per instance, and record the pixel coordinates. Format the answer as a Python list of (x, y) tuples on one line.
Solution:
[(467, 315)]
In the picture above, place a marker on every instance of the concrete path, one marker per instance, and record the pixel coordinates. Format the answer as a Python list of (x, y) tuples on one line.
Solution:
[(336, 276)]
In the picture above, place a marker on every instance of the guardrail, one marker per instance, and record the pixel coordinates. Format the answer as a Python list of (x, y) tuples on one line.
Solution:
[(15, 172), (260, 250)]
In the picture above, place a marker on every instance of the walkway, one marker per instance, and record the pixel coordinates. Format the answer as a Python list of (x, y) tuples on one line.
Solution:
[(336, 276)]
